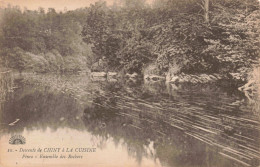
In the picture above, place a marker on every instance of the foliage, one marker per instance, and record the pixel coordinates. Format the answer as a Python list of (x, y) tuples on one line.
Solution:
[(172, 35), (174, 32), (135, 55), (43, 41)]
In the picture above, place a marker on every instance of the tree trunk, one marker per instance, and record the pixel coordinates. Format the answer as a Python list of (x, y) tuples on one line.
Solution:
[(206, 10), (246, 6)]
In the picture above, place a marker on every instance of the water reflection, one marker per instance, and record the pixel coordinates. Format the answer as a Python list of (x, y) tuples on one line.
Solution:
[(147, 123)]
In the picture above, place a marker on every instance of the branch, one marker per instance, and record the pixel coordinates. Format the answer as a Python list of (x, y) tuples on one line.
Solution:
[(201, 6)]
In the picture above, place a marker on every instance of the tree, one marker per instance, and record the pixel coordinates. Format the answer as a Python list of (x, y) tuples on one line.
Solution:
[(101, 32), (30, 36), (206, 10), (205, 6)]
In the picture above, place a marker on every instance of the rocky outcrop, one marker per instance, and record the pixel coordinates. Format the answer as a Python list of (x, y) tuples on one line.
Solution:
[(185, 78), (104, 74), (237, 77), (252, 87), (189, 78)]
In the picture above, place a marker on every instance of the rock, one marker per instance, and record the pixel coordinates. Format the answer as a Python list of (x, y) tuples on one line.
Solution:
[(112, 80), (134, 75), (98, 74), (212, 77), (236, 76), (187, 78), (190, 78), (248, 86), (111, 74), (194, 80), (100, 65), (229, 130), (171, 78), (99, 79), (95, 67), (203, 78), (103, 125), (154, 77), (217, 76), (174, 79)]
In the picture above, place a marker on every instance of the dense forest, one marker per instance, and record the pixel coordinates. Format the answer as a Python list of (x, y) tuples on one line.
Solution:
[(165, 37), (43, 41)]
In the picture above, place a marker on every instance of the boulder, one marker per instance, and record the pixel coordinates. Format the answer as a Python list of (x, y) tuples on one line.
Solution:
[(111, 74), (98, 74)]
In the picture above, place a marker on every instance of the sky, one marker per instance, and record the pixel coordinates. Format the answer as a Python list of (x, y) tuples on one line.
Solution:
[(57, 4)]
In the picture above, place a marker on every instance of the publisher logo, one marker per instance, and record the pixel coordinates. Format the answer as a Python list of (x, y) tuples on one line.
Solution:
[(17, 139)]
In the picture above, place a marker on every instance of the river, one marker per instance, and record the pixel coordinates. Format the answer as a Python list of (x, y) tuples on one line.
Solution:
[(129, 122)]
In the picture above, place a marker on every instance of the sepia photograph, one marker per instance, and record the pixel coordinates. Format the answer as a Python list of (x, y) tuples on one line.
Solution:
[(129, 83)]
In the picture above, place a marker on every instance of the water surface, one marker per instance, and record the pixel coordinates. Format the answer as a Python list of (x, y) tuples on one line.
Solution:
[(131, 123)]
